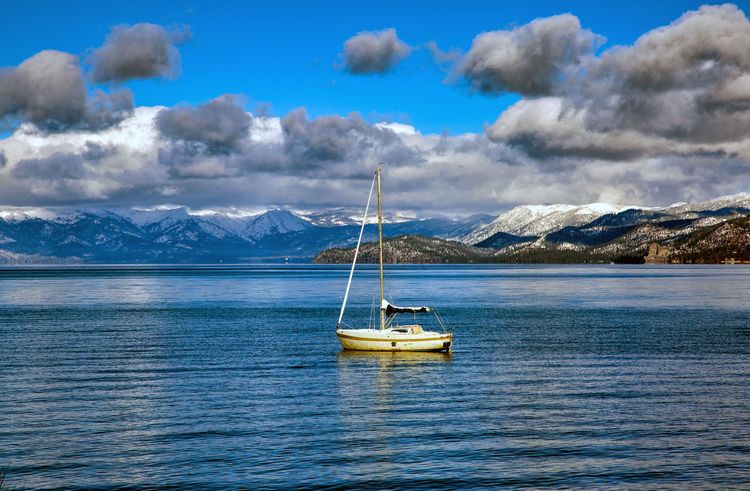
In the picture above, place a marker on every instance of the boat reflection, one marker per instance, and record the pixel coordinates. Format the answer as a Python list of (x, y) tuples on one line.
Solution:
[(363, 371), (387, 359), (357, 368), (381, 403)]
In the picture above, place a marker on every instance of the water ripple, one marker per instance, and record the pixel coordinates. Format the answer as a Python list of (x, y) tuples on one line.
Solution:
[(231, 378)]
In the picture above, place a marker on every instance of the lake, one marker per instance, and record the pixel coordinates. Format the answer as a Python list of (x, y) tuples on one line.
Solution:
[(232, 377)]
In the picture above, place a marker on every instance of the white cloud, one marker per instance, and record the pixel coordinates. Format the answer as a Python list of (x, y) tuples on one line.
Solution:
[(121, 166), (399, 128)]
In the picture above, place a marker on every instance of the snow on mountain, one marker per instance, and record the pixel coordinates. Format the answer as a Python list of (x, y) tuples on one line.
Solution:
[(538, 220), (739, 200), (148, 216), (332, 217), (180, 234), (347, 216), (55, 215), (191, 230), (273, 222), (245, 224), (231, 220)]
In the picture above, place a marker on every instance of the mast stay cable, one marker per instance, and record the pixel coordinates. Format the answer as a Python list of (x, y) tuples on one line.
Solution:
[(356, 252)]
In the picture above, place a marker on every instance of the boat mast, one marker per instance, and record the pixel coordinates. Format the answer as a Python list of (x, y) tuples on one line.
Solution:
[(378, 171)]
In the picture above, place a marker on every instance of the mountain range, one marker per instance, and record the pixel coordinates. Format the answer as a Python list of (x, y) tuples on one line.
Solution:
[(564, 233), (725, 242), (181, 235)]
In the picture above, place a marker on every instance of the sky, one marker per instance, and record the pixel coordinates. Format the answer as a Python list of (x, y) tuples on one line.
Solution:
[(471, 108)]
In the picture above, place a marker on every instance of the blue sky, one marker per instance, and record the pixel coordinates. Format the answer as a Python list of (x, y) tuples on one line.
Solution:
[(284, 54)]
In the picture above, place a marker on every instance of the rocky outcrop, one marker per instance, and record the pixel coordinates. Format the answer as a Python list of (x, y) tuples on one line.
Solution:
[(727, 242)]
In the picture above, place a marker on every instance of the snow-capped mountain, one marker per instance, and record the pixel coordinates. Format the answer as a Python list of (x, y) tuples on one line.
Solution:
[(538, 220), (739, 200), (349, 216), (165, 216), (56, 215), (621, 236), (179, 234), (273, 222)]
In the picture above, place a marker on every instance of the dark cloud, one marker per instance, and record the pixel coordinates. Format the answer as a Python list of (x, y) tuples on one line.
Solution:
[(682, 89), (545, 128), (92, 173), (535, 145), (58, 166), (530, 60), (218, 126), (700, 48), (212, 141), (3, 159), (137, 52), (691, 178), (374, 52), (332, 147), (185, 165), (107, 109), (48, 90), (676, 81), (93, 151), (327, 140)]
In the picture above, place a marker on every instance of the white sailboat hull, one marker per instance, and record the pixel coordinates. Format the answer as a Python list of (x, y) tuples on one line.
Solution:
[(389, 337), (387, 340)]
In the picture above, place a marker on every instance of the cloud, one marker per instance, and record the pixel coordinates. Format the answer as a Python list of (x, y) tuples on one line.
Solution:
[(219, 139), (329, 140), (137, 52), (58, 177), (56, 166), (3, 159), (441, 57), (106, 109), (93, 151), (313, 163), (682, 81), (545, 128), (530, 60), (664, 119), (218, 126), (48, 91), (679, 90), (374, 52), (700, 48)]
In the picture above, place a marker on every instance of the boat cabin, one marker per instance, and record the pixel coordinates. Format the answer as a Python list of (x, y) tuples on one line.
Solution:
[(409, 329)]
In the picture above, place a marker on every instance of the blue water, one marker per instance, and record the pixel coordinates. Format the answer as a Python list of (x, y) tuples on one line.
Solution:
[(225, 378)]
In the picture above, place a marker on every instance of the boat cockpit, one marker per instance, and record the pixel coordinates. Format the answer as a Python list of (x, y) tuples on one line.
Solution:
[(411, 329)]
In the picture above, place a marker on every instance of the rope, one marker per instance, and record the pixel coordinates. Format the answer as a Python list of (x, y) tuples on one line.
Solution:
[(356, 252)]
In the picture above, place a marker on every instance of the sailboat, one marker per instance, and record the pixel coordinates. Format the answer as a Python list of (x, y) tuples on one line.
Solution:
[(390, 336)]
